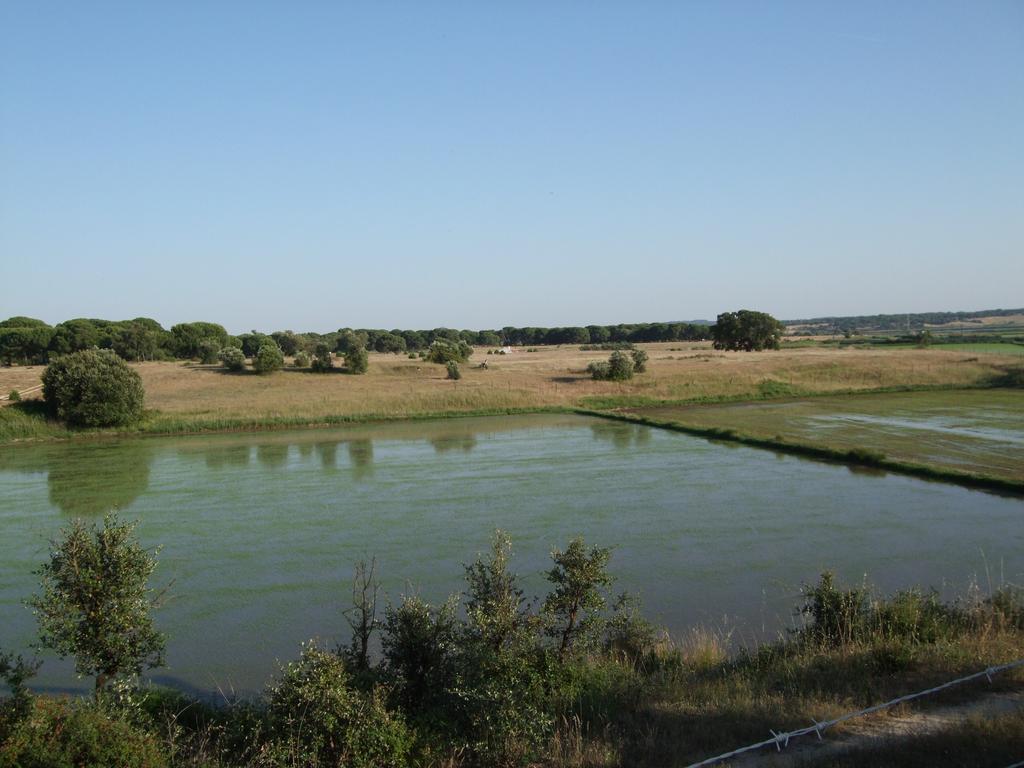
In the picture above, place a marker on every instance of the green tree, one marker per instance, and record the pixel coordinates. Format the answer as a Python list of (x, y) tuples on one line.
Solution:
[(443, 352), (580, 579), (496, 612), (268, 358), (357, 360), (93, 388), (349, 339), (639, 360), (187, 338), (320, 719), (747, 330), (453, 370), (232, 358), (619, 367), (24, 344), (287, 341), (138, 341), (389, 342), (96, 604), (419, 644), (252, 341), (323, 360), (74, 335)]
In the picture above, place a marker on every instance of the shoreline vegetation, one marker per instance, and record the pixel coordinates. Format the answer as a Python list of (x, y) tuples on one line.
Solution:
[(574, 679)]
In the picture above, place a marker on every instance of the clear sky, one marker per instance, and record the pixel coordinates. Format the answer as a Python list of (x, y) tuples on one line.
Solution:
[(314, 165)]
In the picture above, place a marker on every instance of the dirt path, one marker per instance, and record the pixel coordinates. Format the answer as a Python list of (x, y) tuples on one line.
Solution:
[(884, 728)]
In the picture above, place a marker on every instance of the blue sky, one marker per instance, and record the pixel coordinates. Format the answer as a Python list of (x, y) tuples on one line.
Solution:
[(315, 165)]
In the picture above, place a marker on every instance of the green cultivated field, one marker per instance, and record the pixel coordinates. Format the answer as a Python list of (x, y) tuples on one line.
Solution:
[(994, 348), (978, 431)]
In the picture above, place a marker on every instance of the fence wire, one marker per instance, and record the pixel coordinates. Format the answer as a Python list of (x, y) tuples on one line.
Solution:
[(781, 739)]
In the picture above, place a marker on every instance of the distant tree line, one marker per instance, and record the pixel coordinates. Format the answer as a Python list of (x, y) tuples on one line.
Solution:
[(26, 340), (897, 322)]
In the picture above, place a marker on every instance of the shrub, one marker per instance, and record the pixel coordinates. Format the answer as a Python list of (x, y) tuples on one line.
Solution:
[(323, 360), (603, 346), (232, 358), (413, 356), (357, 360), (1007, 606), (639, 361), (629, 635), (301, 360), (453, 370), (209, 351), (268, 359), (95, 603), (579, 578), (93, 388), (15, 673), (60, 733), (15, 396), (619, 367), (320, 720), (838, 616), (419, 644), (443, 352)]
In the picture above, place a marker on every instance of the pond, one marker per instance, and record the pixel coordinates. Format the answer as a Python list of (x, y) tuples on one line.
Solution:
[(260, 532)]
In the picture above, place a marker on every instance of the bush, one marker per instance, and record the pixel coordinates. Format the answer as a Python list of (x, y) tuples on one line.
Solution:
[(320, 720), (93, 388), (639, 361), (209, 352), (838, 616), (629, 636), (15, 396), (268, 359), (323, 360), (59, 733), (419, 644), (15, 672), (232, 358), (443, 352), (619, 367), (453, 370), (357, 360), (301, 360)]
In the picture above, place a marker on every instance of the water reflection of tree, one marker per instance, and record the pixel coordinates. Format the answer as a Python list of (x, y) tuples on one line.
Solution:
[(272, 455), (328, 453), (92, 480), (227, 456), (462, 442), (360, 453), (621, 435)]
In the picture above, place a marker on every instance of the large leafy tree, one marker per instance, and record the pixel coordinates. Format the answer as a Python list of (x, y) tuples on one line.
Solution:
[(747, 330), (96, 604), (93, 388), (188, 338)]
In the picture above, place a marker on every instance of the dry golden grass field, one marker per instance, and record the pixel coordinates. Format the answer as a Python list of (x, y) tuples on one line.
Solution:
[(397, 386)]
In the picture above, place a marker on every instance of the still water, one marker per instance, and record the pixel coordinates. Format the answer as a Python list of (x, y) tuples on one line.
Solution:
[(259, 532)]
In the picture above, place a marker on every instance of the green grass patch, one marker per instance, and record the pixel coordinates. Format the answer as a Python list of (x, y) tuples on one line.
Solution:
[(994, 348), (857, 456)]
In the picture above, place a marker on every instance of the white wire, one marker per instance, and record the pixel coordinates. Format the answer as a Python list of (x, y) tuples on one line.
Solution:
[(782, 738)]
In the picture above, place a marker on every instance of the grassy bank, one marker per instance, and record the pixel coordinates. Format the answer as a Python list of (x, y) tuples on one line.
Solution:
[(186, 398)]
